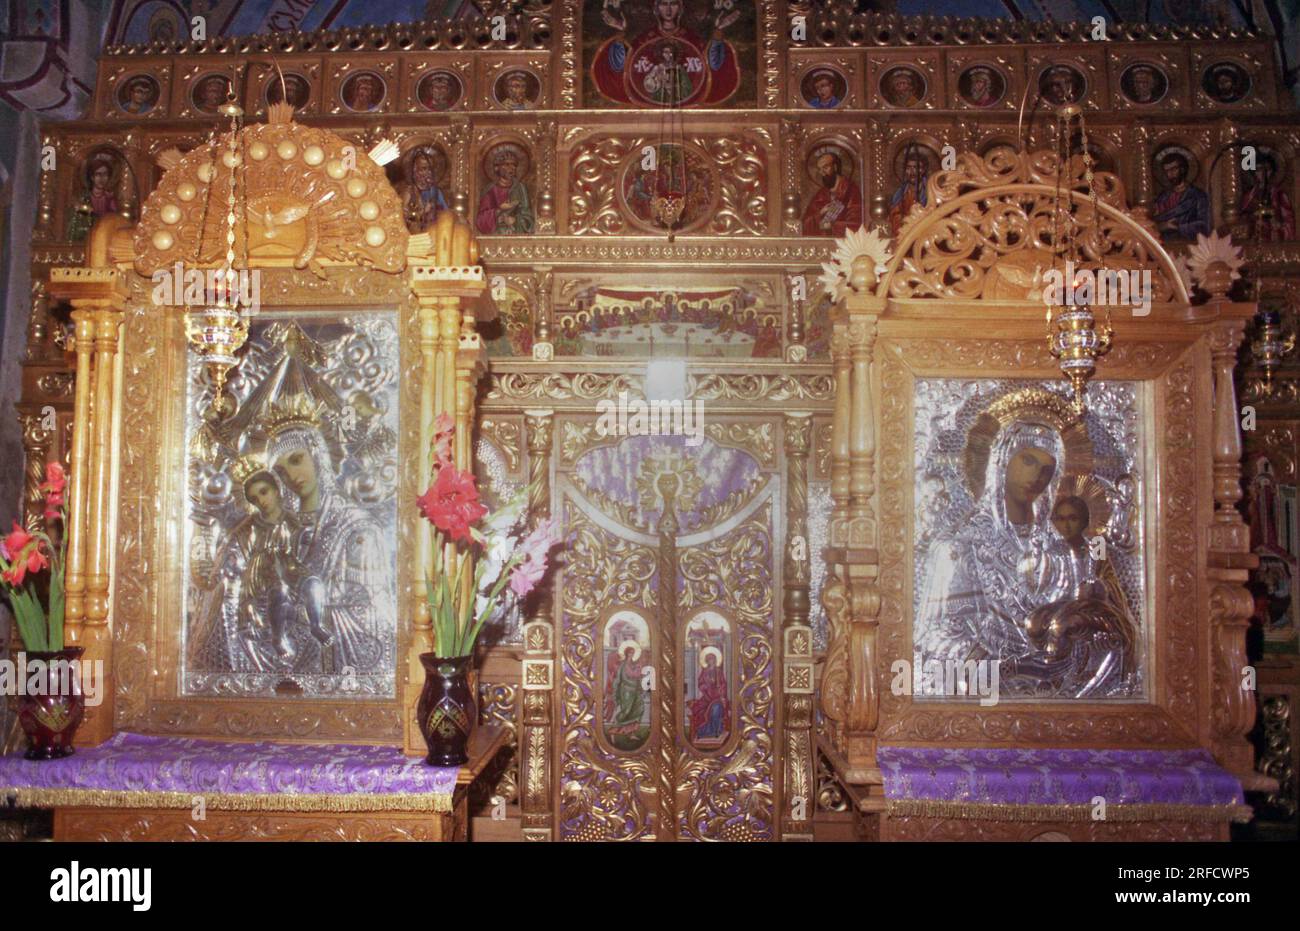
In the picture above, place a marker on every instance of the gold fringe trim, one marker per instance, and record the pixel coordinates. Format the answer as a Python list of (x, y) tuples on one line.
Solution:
[(227, 801), (992, 811)]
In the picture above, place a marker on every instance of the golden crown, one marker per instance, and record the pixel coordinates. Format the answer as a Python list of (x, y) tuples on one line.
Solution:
[(296, 413), (246, 466)]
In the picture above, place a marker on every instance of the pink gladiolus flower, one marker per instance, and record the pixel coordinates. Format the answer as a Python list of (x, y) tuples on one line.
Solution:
[(536, 546), (443, 429), (525, 576), (53, 488), (539, 542)]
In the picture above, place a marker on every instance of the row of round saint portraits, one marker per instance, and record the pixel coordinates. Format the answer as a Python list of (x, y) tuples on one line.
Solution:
[(364, 91), (823, 87), (985, 85), (833, 200)]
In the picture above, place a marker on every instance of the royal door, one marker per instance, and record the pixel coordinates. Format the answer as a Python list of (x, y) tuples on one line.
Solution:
[(667, 612)]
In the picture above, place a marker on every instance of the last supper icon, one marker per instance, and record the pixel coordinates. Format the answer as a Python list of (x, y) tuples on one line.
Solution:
[(667, 53), (291, 561), (1028, 548)]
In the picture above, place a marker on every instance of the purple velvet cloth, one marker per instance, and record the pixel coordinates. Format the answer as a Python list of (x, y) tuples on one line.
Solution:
[(1056, 777), (138, 763)]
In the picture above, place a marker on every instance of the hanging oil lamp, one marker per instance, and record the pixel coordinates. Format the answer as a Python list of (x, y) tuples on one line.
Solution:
[(1072, 334), (219, 330)]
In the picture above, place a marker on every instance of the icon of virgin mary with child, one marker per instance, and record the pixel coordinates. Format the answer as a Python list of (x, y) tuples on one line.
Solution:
[(302, 584), (1016, 581)]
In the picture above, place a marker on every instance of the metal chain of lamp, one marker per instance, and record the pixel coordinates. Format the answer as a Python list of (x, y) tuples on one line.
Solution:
[(668, 202), (1072, 334), (219, 329)]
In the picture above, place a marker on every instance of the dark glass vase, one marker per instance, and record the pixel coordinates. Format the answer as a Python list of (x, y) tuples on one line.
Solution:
[(446, 710), (50, 721)]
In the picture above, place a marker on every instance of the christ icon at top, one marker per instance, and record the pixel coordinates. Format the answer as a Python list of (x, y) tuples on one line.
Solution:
[(669, 63)]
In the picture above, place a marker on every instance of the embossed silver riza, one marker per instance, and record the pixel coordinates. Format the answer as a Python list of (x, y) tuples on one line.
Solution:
[(989, 587), (289, 579)]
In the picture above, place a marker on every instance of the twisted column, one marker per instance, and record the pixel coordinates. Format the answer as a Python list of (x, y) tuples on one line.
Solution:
[(666, 777)]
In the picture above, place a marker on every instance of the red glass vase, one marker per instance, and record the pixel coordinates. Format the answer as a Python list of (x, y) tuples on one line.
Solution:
[(446, 711), (50, 720)]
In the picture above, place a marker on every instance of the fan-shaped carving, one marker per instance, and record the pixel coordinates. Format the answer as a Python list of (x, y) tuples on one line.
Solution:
[(312, 199), (993, 225)]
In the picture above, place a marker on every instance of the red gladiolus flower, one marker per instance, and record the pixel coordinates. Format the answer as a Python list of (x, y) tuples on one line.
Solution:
[(25, 552), (17, 541), (53, 488), (451, 504), (55, 479)]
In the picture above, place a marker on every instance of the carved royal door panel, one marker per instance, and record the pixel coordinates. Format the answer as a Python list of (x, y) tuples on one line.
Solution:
[(667, 608)]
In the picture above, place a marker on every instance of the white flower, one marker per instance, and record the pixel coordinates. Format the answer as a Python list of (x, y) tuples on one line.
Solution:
[(506, 518)]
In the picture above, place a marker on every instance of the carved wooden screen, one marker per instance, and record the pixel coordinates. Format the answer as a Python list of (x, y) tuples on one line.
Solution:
[(668, 611)]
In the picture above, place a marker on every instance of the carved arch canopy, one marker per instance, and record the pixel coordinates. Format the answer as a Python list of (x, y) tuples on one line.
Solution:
[(313, 200), (991, 224)]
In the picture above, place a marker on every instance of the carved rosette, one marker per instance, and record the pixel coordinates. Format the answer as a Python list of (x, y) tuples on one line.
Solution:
[(736, 167)]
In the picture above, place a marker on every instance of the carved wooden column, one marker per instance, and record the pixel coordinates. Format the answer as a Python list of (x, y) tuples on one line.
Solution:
[(38, 323), (543, 348), (851, 594), (879, 209), (665, 691), (460, 166), (546, 139), (1230, 562), (74, 580), (539, 649), (1229, 179), (796, 295), (1142, 167), (43, 230), (98, 297), (797, 656), (791, 168), (445, 281)]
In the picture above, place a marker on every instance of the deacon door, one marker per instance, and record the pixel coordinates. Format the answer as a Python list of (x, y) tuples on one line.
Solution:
[(667, 609)]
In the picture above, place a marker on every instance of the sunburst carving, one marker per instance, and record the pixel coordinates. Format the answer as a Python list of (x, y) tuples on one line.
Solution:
[(311, 199), (837, 276)]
